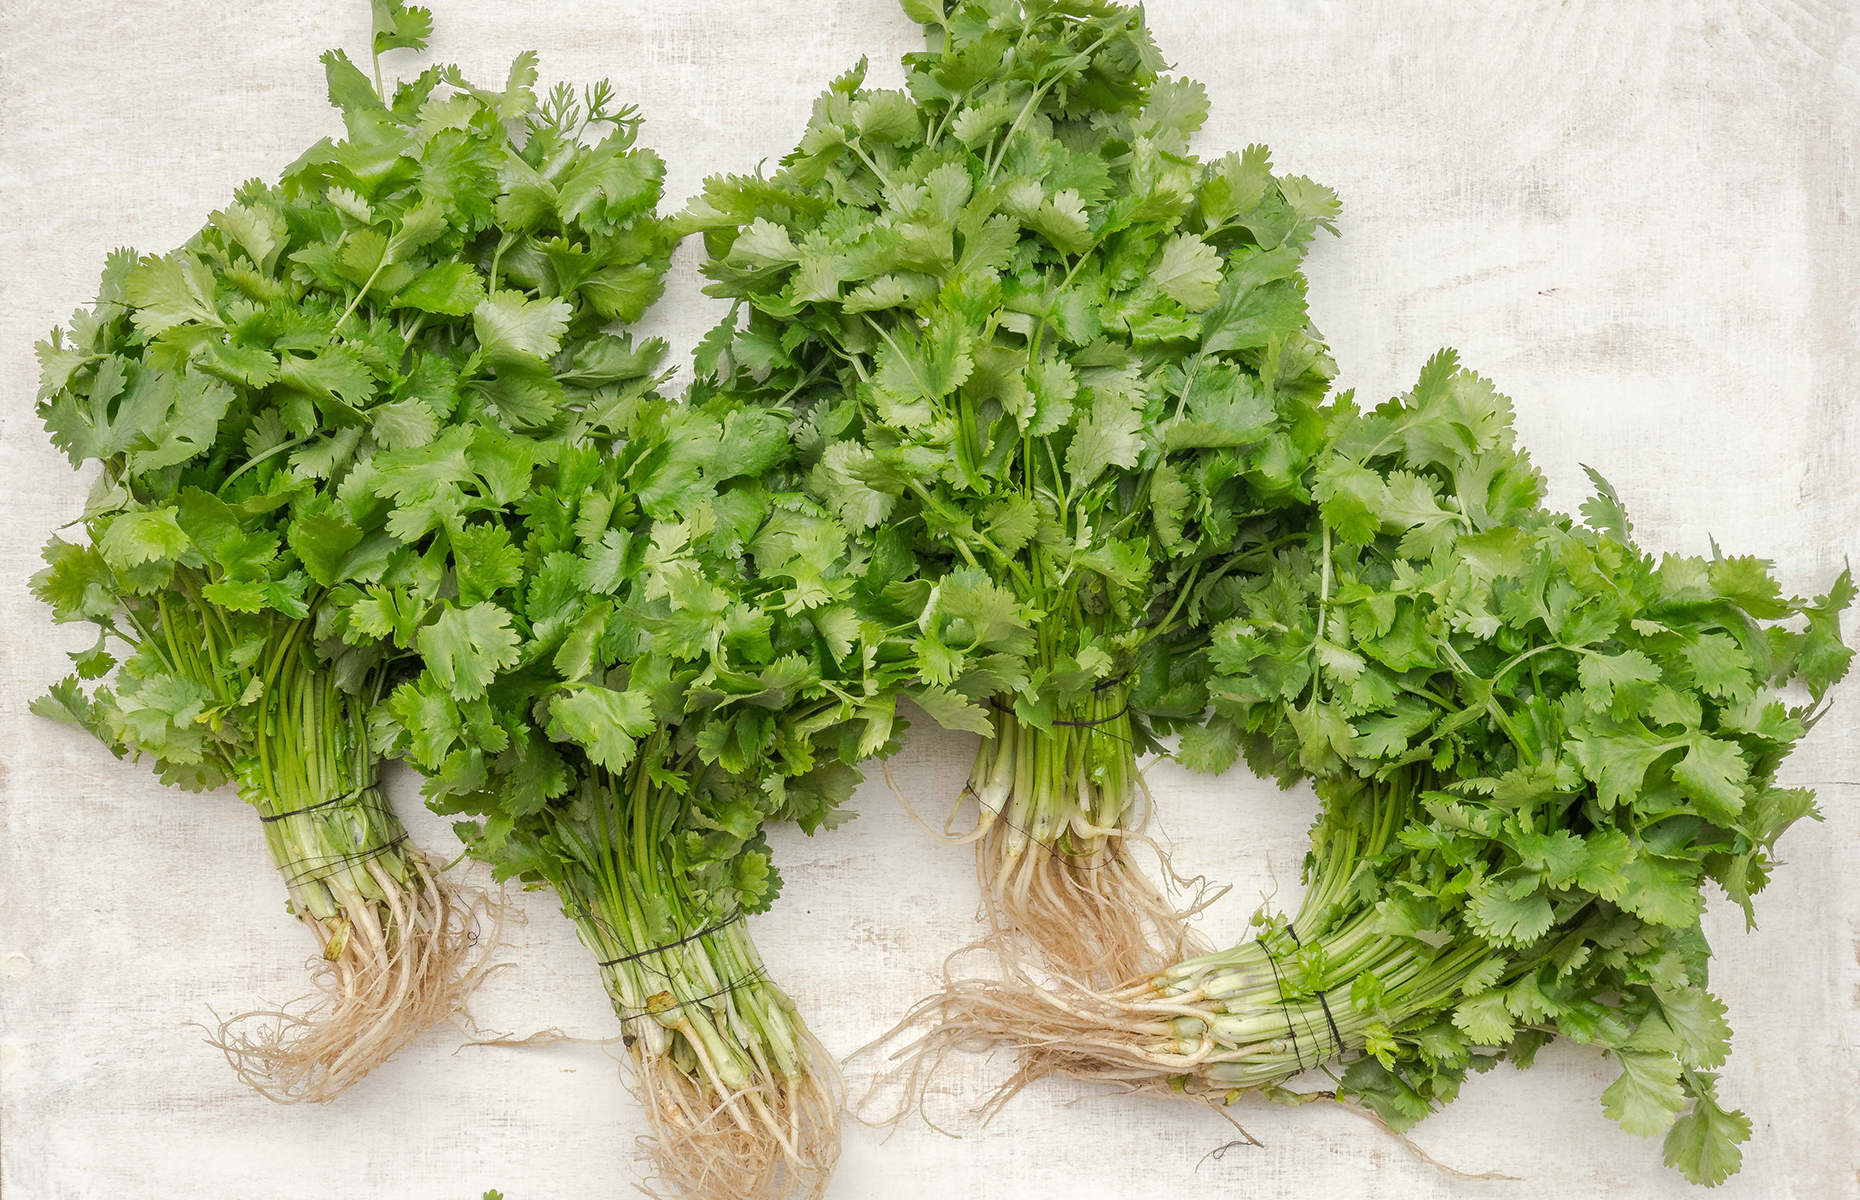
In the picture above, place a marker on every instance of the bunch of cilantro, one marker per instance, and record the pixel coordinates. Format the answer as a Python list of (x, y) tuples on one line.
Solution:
[(688, 661), (1048, 369), (1534, 745), (295, 417)]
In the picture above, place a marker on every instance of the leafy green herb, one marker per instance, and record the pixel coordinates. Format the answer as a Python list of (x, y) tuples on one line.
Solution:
[(679, 657), (298, 415), (1534, 744), (1049, 370)]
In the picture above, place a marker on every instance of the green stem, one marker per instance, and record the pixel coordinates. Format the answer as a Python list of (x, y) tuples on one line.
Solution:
[(679, 967)]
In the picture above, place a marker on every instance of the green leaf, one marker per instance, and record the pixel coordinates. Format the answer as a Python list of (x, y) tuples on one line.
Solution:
[(1176, 109), (1617, 765), (197, 405), (1713, 773), (429, 717), (913, 374), (1659, 891), (66, 702), (1013, 522), (1063, 222), (1703, 1144), (1507, 921), (763, 245), (1189, 272), (1647, 1097), (388, 613), (451, 289), (1669, 707), (624, 293), (240, 364), (487, 562), (1260, 297), (924, 12), (1052, 383), (951, 710), (1485, 1019), (1601, 675), (1350, 500), (839, 627), (609, 186), (1324, 734), (603, 722), (466, 647), (171, 290), (1397, 1104), (1696, 1018), (143, 536), (513, 329), (1317, 206), (1720, 666), (885, 117), (1210, 748), (1560, 855), (1747, 583), (853, 482), (321, 536), (1823, 658), (336, 375), (981, 613), (403, 424), (400, 27), (1108, 437), (1604, 511)]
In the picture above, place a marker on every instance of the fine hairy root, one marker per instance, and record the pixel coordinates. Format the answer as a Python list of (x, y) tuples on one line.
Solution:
[(1094, 917), (1125, 1038), (391, 966), (1058, 1026), (777, 1139), (1078, 906), (1075, 928)]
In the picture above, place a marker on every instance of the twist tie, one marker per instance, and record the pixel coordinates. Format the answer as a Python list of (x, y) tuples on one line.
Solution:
[(329, 803), (755, 976), (732, 919)]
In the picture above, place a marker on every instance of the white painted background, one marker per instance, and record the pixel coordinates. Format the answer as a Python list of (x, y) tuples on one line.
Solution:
[(1641, 218)]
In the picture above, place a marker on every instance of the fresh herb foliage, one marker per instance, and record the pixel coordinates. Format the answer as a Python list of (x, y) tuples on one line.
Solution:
[(298, 415), (684, 662), (1049, 370), (1534, 744)]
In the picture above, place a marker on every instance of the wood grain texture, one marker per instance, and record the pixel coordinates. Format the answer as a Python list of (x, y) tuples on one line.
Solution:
[(1641, 219)]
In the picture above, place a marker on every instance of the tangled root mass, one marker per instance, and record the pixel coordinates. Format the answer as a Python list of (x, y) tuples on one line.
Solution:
[(390, 968), (777, 1139)]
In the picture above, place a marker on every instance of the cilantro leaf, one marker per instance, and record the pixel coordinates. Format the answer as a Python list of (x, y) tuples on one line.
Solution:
[(605, 722), (513, 329), (466, 647)]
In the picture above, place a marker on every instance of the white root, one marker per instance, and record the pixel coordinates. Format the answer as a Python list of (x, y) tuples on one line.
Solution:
[(775, 1139), (407, 963)]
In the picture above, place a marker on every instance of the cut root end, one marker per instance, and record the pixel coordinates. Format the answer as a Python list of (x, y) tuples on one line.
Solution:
[(777, 1139), (389, 969), (1076, 931)]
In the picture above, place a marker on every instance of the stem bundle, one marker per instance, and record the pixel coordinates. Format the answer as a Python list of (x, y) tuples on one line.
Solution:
[(1057, 808), (399, 944), (744, 1102)]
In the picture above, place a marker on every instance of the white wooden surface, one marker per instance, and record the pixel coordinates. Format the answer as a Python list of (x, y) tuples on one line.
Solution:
[(1640, 217)]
